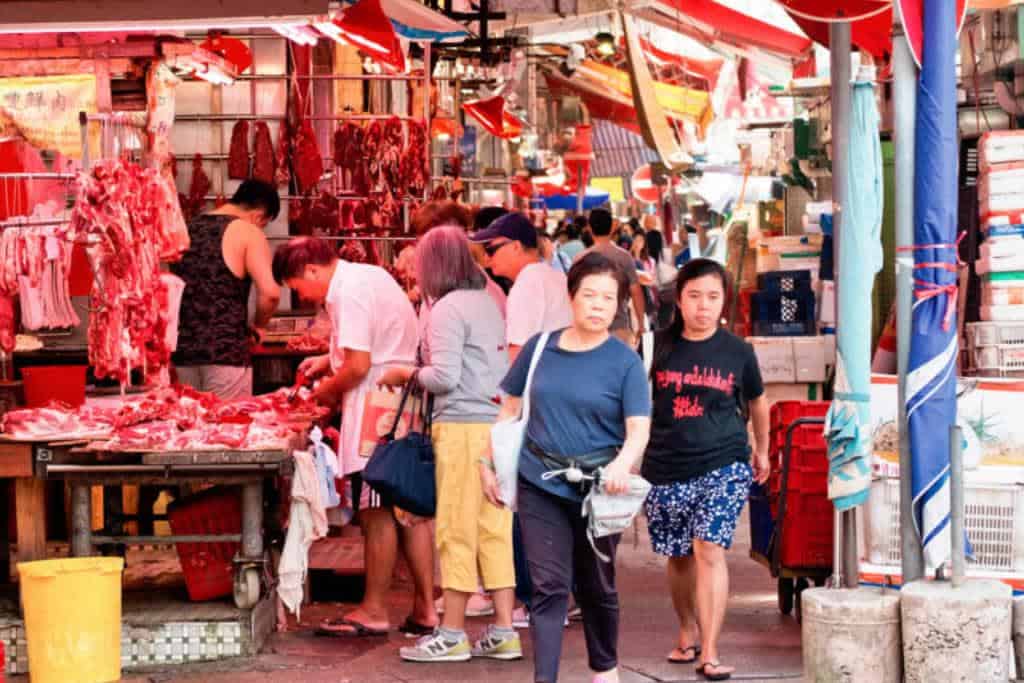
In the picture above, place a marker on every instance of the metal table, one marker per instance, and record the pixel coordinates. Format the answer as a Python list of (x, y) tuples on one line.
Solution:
[(82, 468)]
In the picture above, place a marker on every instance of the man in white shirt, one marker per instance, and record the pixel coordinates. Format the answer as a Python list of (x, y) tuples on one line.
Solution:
[(373, 327), (539, 298)]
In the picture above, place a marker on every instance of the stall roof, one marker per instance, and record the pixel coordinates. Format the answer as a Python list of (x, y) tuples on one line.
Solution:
[(73, 16)]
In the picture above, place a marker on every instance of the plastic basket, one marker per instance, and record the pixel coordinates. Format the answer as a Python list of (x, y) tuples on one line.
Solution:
[(999, 358), (807, 532), (991, 519), (995, 334), (208, 567), (762, 524), (784, 307), (785, 413), (801, 480), (47, 383), (782, 281), (780, 329)]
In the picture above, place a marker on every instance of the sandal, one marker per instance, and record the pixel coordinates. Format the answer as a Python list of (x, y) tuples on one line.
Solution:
[(715, 676), (414, 629), (683, 658), (344, 627)]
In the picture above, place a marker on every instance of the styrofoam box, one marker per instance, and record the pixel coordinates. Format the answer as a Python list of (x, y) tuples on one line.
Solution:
[(775, 358), (1000, 147), (994, 521), (995, 333), (809, 359), (1002, 296)]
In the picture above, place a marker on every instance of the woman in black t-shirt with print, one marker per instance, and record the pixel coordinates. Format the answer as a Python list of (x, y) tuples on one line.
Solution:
[(706, 381)]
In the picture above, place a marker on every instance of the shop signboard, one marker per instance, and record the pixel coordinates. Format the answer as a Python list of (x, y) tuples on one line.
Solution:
[(43, 110)]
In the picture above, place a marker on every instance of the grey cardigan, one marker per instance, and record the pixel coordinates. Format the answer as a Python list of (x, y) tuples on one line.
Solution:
[(468, 357)]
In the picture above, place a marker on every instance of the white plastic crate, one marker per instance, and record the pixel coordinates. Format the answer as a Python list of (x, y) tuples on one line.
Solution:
[(995, 334), (1005, 357), (994, 521)]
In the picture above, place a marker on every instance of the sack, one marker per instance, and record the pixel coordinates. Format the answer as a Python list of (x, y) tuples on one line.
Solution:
[(380, 410), (402, 469), (507, 436), (609, 514)]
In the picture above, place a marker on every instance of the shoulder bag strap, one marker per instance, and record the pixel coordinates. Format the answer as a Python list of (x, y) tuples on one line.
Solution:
[(406, 390), (537, 352)]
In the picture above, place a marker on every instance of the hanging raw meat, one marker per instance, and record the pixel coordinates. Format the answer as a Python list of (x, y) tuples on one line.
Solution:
[(282, 175), (415, 164), (238, 156), (118, 213), (323, 215), (7, 329), (307, 163), (200, 186), (263, 166)]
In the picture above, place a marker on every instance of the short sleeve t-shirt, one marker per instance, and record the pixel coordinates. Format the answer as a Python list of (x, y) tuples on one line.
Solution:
[(579, 402), (624, 260), (370, 312), (699, 419), (538, 302)]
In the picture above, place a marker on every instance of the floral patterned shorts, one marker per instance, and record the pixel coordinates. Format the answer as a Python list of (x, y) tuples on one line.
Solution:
[(705, 508)]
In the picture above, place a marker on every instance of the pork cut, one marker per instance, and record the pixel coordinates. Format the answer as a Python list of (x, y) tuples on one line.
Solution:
[(263, 167), (238, 155)]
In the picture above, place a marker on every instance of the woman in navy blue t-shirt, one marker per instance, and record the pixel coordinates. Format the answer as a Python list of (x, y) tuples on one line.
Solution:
[(706, 382), (589, 404)]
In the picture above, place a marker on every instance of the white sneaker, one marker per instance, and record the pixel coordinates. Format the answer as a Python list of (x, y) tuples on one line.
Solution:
[(437, 648), (521, 618)]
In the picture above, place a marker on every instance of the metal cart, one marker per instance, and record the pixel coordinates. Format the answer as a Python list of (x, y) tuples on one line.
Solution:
[(82, 468), (792, 581)]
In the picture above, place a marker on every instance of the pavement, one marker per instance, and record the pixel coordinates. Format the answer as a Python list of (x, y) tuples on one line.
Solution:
[(760, 642)]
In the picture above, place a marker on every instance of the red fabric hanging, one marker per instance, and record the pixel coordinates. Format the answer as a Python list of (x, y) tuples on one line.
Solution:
[(491, 114), (367, 27)]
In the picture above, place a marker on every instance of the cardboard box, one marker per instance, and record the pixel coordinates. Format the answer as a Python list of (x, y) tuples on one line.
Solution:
[(775, 358), (810, 359)]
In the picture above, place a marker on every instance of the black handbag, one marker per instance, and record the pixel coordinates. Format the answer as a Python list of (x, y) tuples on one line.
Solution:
[(402, 470)]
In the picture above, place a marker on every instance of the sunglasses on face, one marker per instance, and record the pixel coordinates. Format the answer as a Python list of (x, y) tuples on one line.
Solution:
[(491, 248)]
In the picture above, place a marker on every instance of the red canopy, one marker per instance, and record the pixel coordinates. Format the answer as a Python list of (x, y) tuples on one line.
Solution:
[(706, 19), (833, 10), (872, 35)]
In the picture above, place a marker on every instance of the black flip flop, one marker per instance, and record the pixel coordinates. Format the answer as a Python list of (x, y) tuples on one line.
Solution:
[(683, 650), (328, 628), (703, 671), (414, 629)]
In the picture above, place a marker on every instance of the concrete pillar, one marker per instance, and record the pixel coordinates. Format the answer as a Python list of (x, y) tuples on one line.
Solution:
[(851, 635), (1018, 634), (956, 634)]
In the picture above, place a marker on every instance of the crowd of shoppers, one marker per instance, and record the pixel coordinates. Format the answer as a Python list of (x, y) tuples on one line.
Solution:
[(494, 293)]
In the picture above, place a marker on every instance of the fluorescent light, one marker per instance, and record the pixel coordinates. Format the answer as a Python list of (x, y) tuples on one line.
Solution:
[(185, 25)]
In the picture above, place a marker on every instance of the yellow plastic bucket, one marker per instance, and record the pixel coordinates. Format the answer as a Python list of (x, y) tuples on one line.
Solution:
[(73, 619)]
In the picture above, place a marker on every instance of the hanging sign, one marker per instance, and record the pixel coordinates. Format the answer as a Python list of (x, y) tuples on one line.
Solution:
[(43, 110), (912, 16)]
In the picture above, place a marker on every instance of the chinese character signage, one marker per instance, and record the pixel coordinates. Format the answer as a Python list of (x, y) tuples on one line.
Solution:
[(44, 110)]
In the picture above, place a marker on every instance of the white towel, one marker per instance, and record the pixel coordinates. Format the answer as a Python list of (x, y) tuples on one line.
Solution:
[(307, 522)]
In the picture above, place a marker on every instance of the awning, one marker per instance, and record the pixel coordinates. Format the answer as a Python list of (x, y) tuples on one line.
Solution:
[(711, 21), (414, 21), (617, 151), (73, 16)]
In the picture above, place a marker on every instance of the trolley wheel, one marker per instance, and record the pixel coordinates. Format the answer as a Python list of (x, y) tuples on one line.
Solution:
[(801, 586), (247, 588), (786, 593)]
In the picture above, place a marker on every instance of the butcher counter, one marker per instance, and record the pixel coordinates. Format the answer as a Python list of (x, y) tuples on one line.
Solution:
[(31, 465)]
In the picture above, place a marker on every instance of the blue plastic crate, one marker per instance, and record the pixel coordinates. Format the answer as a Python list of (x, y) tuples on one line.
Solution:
[(785, 281), (762, 526), (782, 307)]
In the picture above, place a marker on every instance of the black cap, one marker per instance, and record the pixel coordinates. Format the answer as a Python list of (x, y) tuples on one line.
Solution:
[(512, 226)]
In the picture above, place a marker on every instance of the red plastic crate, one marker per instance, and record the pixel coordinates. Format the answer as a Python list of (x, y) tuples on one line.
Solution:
[(803, 481), (785, 413), (804, 436), (807, 531), (803, 458), (208, 567)]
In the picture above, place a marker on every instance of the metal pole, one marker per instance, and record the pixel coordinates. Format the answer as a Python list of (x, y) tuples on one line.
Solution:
[(81, 520), (839, 41), (956, 504), (904, 95), (252, 521)]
